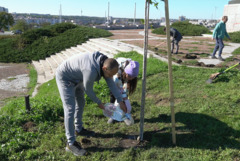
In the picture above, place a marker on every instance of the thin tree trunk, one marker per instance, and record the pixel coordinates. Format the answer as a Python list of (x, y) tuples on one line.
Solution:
[(170, 73), (144, 68)]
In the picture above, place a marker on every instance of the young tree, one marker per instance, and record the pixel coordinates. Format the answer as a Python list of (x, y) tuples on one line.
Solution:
[(6, 20)]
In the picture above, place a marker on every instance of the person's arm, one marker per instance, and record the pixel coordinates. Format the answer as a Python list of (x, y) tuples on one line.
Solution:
[(215, 31), (115, 91), (226, 34), (173, 33), (88, 82)]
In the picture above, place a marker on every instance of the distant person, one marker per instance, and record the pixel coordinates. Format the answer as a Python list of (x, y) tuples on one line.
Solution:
[(218, 34), (176, 38), (76, 76)]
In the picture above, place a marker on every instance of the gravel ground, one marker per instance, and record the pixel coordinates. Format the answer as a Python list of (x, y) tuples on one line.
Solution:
[(13, 81), (17, 83)]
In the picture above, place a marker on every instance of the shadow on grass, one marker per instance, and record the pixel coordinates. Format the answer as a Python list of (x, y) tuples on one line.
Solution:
[(226, 77), (199, 131)]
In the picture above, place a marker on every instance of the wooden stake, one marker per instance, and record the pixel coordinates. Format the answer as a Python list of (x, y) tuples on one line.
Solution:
[(27, 103), (170, 73)]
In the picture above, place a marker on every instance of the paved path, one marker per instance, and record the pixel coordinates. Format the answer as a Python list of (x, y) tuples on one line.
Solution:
[(46, 68)]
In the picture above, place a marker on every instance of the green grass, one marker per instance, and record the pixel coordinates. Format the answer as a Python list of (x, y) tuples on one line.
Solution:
[(236, 52), (207, 120), (33, 78)]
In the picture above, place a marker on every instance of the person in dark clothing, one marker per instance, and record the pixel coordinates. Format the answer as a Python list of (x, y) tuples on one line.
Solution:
[(176, 38)]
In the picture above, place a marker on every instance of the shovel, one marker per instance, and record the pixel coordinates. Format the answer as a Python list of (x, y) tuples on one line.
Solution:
[(215, 75)]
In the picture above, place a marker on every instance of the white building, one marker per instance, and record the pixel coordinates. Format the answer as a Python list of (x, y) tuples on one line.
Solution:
[(232, 10)]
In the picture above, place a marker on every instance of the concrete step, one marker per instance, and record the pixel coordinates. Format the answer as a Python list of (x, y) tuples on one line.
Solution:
[(112, 44), (57, 59), (88, 48), (85, 50), (67, 54), (103, 48), (62, 56), (48, 72), (70, 50), (77, 50), (53, 64), (93, 48), (40, 72)]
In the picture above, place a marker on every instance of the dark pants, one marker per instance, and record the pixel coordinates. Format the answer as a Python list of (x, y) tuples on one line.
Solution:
[(175, 42), (112, 98), (219, 46)]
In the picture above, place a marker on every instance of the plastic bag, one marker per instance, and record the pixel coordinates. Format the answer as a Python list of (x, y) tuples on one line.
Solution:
[(114, 112)]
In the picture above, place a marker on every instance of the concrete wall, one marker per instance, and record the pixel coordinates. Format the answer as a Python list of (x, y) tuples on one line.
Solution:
[(233, 13)]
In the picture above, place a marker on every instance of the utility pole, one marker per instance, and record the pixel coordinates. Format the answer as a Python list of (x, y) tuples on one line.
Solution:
[(134, 22), (215, 12), (60, 14), (108, 20)]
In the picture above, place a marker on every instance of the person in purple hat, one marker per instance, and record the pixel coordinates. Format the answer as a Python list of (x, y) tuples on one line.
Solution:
[(126, 81)]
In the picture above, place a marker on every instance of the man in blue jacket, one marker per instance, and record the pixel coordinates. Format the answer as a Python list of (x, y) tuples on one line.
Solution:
[(176, 38), (218, 34), (76, 76)]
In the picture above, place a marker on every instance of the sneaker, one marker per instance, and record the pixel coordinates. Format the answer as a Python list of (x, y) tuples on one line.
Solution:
[(85, 132), (213, 57), (110, 121), (220, 58), (76, 149), (128, 122)]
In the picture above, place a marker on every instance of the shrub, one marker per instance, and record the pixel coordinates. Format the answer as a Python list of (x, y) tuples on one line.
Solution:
[(235, 37), (41, 43), (159, 31), (61, 27), (186, 29), (31, 35)]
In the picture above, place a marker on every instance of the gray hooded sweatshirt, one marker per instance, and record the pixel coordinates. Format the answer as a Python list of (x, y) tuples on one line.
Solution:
[(85, 68)]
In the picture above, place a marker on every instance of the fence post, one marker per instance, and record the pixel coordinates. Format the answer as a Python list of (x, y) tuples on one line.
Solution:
[(27, 103)]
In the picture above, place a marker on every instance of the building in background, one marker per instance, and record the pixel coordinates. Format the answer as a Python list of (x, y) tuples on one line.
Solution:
[(232, 10), (182, 18), (3, 9)]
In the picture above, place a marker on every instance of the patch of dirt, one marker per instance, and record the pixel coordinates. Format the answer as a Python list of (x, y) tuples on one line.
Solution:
[(11, 70), (129, 143), (29, 126), (199, 46), (161, 101)]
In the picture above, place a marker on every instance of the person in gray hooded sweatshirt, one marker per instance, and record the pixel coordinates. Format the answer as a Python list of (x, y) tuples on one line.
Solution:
[(76, 76)]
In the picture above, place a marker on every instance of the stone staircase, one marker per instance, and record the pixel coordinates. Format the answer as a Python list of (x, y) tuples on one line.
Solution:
[(46, 68)]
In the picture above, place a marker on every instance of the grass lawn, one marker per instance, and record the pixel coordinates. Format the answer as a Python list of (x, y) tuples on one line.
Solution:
[(207, 120)]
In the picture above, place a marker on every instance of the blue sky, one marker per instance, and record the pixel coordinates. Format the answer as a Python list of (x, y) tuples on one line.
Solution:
[(199, 9)]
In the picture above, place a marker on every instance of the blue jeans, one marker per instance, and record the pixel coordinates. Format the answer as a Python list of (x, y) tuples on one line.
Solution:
[(219, 46)]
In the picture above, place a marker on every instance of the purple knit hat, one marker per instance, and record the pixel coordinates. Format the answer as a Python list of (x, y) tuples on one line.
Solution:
[(132, 68)]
